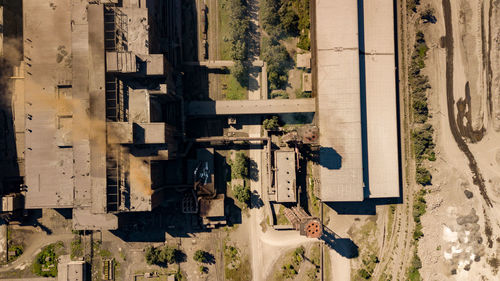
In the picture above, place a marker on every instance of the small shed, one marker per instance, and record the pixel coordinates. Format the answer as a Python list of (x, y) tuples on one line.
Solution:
[(304, 60)]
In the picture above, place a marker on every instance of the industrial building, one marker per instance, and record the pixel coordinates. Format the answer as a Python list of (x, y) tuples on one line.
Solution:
[(100, 109), (381, 99), (355, 58), (339, 102)]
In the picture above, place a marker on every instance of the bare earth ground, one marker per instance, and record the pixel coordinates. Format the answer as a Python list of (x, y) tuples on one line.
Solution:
[(454, 249)]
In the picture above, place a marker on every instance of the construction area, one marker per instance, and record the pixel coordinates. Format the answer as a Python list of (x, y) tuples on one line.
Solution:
[(131, 134)]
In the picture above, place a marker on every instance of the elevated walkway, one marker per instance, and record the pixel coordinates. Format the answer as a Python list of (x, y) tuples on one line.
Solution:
[(219, 63), (236, 107)]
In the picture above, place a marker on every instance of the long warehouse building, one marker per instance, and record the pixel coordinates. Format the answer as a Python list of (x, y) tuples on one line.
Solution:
[(381, 99), (350, 67), (338, 95)]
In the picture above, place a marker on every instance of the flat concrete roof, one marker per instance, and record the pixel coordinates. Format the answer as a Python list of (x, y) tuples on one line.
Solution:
[(381, 113), (84, 219), (285, 176), (140, 184), (70, 270), (97, 107), (119, 132), (304, 60), (49, 168), (338, 93), (379, 26), (235, 107), (151, 132), (138, 105)]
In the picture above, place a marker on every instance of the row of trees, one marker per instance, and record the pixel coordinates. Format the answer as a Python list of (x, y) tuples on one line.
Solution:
[(239, 28), (423, 143), (239, 170), (282, 19), (278, 63), (422, 132)]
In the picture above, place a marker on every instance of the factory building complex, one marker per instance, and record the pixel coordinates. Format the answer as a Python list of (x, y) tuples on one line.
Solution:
[(100, 113)]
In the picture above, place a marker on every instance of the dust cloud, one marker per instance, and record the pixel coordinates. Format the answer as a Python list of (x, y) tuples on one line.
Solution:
[(139, 176), (9, 59)]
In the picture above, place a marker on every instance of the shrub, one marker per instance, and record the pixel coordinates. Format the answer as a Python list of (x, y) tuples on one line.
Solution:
[(411, 5), (271, 123), (279, 94), (363, 273), (422, 141), (17, 250), (242, 193), (416, 264), (301, 95), (427, 16), (76, 247), (419, 206), (200, 256), (203, 269), (304, 41), (423, 176), (298, 255), (289, 271)]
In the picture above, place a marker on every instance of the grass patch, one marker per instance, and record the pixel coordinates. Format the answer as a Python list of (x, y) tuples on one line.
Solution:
[(290, 265), (45, 263), (390, 220), (17, 250), (233, 90), (280, 217), (236, 267), (313, 202), (224, 31)]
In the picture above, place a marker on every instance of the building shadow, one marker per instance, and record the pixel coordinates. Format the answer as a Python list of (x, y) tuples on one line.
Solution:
[(365, 207), (330, 158), (344, 246)]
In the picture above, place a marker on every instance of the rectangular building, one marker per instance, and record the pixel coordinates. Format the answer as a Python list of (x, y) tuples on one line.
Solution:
[(381, 99), (338, 94)]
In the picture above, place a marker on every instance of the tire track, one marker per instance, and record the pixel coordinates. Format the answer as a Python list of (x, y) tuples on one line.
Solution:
[(477, 178)]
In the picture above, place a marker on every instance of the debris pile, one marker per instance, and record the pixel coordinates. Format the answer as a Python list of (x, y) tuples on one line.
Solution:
[(464, 242)]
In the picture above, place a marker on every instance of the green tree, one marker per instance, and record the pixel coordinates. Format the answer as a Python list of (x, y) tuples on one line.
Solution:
[(200, 256), (239, 168), (240, 72), (242, 193), (167, 255), (423, 176), (271, 123), (151, 255)]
